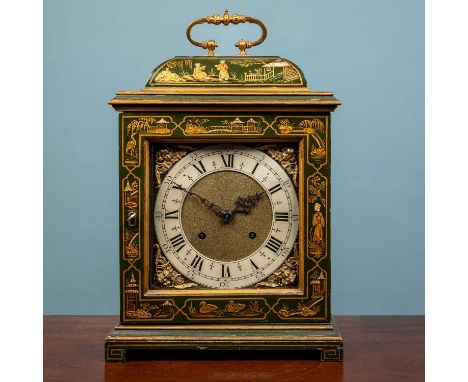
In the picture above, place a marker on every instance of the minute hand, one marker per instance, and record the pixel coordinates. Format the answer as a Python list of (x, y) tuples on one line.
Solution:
[(212, 206)]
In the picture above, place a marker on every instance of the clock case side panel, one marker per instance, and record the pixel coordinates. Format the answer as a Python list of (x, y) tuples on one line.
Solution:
[(315, 127), (134, 177), (129, 223), (133, 227)]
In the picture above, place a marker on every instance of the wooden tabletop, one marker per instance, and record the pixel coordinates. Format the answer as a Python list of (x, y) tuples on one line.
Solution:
[(376, 348)]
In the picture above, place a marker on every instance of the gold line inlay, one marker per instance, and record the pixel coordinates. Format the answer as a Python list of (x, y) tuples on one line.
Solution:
[(227, 91), (200, 101), (172, 338), (224, 327)]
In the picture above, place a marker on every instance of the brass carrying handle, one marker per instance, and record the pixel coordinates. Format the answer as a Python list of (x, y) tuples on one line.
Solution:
[(226, 20)]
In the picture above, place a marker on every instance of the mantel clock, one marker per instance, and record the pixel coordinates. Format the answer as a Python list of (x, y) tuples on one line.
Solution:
[(225, 206)]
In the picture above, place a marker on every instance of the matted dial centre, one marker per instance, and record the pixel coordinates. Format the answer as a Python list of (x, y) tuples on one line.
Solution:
[(226, 241)]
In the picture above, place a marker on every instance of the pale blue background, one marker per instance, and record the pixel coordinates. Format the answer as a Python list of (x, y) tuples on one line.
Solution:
[(369, 52)]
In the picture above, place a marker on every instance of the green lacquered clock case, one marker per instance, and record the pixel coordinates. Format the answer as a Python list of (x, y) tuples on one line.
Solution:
[(259, 102)]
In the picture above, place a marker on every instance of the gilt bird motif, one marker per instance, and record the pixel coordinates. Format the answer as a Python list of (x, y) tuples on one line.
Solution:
[(205, 308), (233, 307)]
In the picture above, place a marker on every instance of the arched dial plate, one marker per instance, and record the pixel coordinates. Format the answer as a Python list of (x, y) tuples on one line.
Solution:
[(194, 237)]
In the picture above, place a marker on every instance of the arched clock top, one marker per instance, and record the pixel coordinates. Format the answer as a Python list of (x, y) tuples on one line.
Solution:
[(227, 71)]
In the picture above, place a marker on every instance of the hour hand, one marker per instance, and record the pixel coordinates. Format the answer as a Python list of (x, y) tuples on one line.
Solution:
[(244, 204), (212, 206)]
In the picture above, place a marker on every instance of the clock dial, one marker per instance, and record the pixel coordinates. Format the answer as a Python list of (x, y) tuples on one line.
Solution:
[(226, 216)]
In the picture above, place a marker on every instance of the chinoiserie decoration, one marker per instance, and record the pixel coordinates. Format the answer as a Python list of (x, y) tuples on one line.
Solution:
[(224, 205)]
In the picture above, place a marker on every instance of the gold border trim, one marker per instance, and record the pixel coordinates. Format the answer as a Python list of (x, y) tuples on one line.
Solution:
[(225, 90), (299, 291), (222, 102), (214, 292), (172, 338), (227, 326)]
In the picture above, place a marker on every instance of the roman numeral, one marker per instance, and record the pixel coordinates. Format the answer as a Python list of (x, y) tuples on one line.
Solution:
[(274, 244), (281, 216), (178, 242), (229, 162), (253, 264), (172, 214), (225, 271), (274, 189), (200, 168), (255, 168), (197, 263)]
